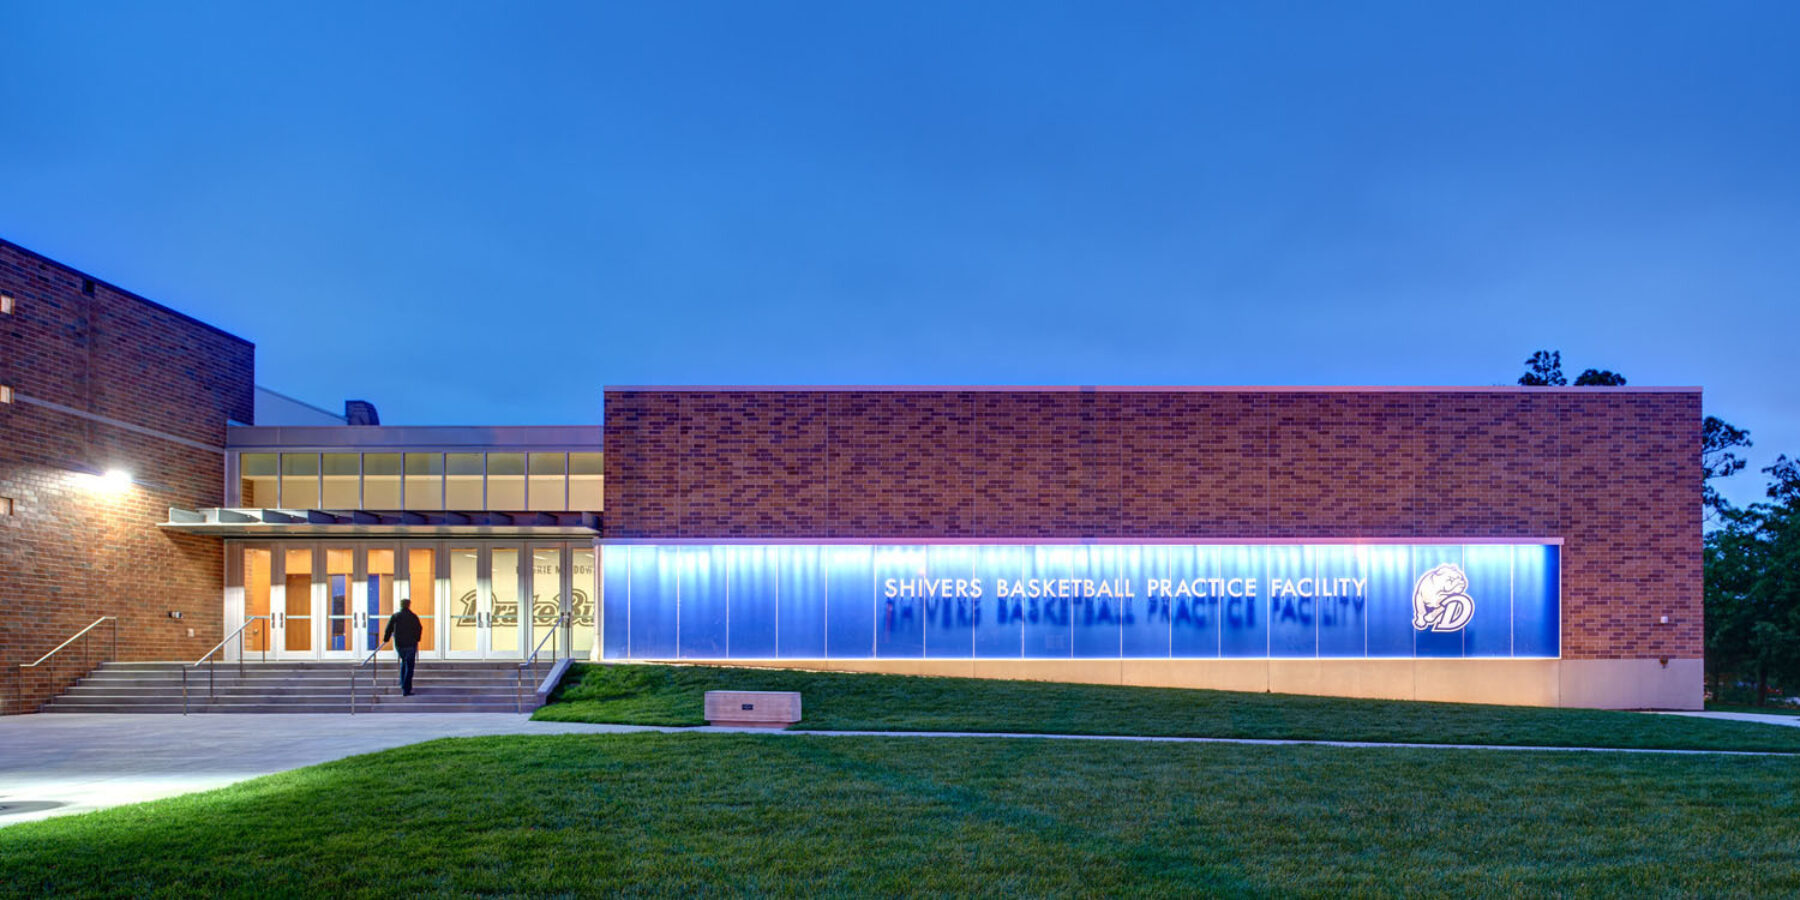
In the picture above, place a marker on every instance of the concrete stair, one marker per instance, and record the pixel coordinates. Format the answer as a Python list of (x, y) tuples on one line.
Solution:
[(439, 686)]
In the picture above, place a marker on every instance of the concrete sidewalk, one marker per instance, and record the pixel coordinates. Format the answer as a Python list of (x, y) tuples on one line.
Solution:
[(1762, 718), (68, 763), (54, 764)]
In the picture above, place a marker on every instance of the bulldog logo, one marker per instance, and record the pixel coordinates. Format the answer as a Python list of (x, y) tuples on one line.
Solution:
[(1441, 601)]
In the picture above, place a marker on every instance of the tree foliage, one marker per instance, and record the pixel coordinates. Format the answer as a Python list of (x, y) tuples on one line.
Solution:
[(1719, 440), (1544, 369), (1599, 378), (1753, 589)]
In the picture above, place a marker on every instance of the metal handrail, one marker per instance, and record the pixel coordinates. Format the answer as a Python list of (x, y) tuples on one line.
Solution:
[(71, 640), (19, 670), (210, 662), (562, 622), (374, 679)]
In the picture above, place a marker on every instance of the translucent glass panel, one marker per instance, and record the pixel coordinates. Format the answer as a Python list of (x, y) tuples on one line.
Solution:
[(465, 600), (300, 480), (1284, 601), (585, 486), (581, 602), (462, 481), (256, 480), (549, 481), (424, 481), (381, 481), (421, 589), (256, 598), (297, 600), (504, 634), (506, 481), (343, 477)]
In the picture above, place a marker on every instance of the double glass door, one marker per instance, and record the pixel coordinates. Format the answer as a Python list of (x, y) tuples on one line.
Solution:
[(476, 600)]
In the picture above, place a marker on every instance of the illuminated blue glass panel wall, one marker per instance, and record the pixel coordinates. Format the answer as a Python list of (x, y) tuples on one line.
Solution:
[(1081, 601)]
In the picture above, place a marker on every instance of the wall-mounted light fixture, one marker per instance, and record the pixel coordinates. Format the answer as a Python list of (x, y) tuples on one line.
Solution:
[(6, 304), (6, 393), (112, 480), (6, 506)]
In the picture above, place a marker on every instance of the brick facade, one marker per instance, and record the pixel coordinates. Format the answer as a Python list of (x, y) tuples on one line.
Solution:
[(1614, 472), (103, 379)]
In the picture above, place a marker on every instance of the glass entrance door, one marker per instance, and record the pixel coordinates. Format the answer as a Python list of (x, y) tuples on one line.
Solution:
[(475, 599), (484, 620), (294, 604)]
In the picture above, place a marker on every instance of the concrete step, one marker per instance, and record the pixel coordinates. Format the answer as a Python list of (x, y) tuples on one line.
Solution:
[(338, 685), (421, 676), (252, 665), (341, 708), (306, 686)]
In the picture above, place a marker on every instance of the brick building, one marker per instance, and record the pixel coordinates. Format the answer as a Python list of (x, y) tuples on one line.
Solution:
[(1518, 545), (102, 380)]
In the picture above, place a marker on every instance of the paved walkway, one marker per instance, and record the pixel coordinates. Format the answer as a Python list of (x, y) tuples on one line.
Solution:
[(1764, 718), (55, 764)]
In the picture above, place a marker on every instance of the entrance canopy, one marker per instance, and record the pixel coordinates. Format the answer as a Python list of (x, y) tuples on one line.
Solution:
[(271, 522)]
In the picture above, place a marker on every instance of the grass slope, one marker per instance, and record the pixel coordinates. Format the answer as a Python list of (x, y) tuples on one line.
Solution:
[(836, 701), (687, 813)]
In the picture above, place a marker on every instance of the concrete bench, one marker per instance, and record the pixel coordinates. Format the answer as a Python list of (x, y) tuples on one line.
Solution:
[(752, 709)]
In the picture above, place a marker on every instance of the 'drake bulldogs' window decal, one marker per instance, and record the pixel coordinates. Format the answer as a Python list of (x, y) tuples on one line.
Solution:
[(1441, 601)]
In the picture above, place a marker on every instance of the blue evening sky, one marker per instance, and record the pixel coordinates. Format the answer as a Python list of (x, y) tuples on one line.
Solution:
[(482, 214)]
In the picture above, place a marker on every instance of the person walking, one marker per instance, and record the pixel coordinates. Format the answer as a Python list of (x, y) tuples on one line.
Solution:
[(404, 629)]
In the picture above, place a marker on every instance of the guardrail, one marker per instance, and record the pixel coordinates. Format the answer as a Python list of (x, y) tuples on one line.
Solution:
[(82, 635), (210, 662), (374, 679), (530, 664)]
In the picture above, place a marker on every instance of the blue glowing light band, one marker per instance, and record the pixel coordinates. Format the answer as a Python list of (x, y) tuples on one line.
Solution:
[(1081, 601)]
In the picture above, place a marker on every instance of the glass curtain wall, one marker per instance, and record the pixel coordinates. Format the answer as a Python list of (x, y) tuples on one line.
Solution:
[(504, 482), (475, 599)]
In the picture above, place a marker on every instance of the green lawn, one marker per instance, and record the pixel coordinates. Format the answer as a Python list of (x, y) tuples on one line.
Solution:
[(687, 813), (832, 701)]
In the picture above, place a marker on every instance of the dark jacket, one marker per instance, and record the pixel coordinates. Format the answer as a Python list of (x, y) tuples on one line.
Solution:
[(404, 628)]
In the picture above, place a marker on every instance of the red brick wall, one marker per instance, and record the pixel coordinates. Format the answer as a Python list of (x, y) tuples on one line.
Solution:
[(73, 551), (1614, 472)]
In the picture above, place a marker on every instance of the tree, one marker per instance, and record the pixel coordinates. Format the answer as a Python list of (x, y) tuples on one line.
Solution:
[(1753, 588), (1544, 369), (1599, 378), (1718, 440)]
